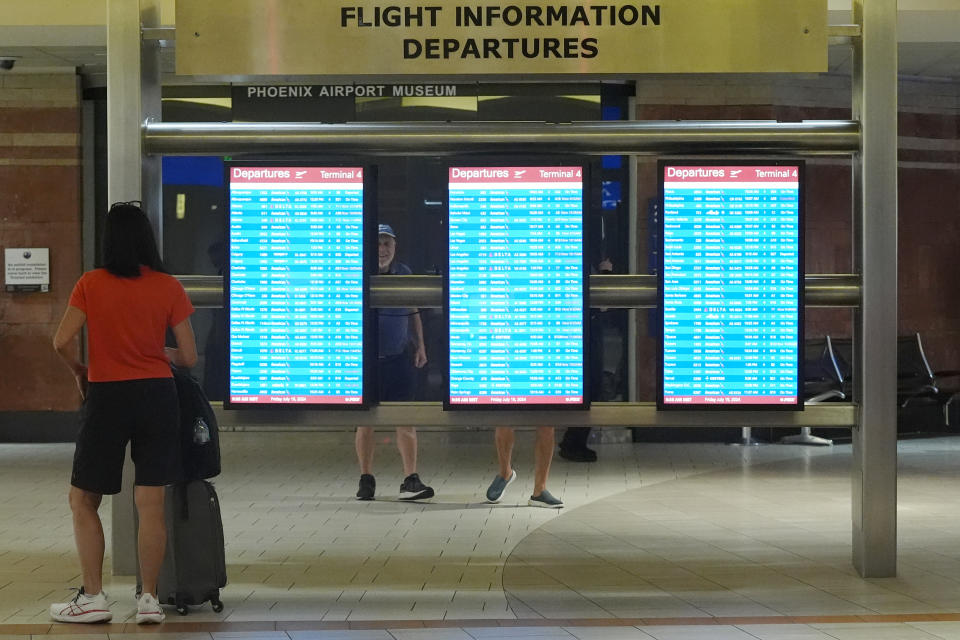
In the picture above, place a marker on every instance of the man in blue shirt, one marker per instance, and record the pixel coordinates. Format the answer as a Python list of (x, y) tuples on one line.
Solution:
[(402, 351)]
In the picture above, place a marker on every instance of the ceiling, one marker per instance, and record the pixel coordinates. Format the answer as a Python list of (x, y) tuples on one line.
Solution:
[(920, 59), (53, 58)]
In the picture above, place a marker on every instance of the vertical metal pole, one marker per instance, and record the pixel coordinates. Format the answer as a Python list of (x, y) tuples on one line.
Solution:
[(89, 226), (633, 259), (151, 187), (123, 184), (874, 473), (127, 176), (123, 100)]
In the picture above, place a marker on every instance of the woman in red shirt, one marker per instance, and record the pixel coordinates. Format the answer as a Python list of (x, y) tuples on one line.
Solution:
[(128, 396)]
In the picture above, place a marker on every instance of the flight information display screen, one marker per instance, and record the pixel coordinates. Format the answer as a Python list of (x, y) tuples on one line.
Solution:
[(516, 287), (295, 294), (731, 282)]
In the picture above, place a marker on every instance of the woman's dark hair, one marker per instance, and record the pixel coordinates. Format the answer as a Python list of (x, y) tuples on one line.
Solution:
[(128, 241)]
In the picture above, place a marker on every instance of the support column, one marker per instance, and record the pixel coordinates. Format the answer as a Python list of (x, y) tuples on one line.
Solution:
[(133, 94), (874, 480), (633, 259)]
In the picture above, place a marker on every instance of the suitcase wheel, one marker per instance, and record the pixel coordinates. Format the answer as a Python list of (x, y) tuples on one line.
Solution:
[(181, 608), (217, 604)]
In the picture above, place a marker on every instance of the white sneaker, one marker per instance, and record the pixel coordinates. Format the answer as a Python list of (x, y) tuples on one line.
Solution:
[(148, 610), (83, 608)]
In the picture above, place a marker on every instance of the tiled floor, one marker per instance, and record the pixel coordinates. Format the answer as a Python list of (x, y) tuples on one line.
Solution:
[(657, 541)]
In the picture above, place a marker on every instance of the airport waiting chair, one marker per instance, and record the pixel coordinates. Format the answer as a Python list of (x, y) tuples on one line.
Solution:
[(822, 382), (951, 406), (920, 401), (922, 406), (843, 354), (822, 378), (915, 378)]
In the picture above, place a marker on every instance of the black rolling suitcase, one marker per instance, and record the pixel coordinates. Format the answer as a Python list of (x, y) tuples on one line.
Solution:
[(194, 567)]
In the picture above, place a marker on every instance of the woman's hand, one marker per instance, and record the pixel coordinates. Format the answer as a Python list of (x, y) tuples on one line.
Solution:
[(80, 375)]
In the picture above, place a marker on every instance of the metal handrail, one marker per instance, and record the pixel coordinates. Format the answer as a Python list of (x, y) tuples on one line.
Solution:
[(833, 137), (601, 414), (613, 291)]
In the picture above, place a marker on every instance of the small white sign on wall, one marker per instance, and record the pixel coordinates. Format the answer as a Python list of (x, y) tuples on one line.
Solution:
[(27, 269)]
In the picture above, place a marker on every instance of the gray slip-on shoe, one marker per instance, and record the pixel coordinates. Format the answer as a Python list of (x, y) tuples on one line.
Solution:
[(498, 486)]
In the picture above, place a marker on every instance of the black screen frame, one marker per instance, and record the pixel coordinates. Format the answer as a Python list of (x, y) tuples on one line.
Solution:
[(800, 165), (369, 243), (527, 161)]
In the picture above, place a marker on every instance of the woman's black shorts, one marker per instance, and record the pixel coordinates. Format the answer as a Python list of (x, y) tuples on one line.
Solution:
[(143, 412)]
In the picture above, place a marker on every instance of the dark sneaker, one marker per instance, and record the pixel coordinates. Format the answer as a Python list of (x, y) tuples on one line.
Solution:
[(578, 455), (545, 500), (413, 489), (368, 486), (498, 486)]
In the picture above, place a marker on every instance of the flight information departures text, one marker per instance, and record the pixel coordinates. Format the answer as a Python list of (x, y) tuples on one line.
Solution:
[(296, 285), (731, 277), (516, 286)]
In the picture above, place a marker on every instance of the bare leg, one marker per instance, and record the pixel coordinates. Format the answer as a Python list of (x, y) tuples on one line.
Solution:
[(152, 539), (503, 439), (364, 444), (407, 445), (88, 533), (542, 456)]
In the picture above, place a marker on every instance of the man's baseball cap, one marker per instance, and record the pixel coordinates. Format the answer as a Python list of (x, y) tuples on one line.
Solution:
[(387, 230)]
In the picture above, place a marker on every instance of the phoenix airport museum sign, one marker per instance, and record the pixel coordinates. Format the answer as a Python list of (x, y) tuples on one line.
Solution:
[(351, 37)]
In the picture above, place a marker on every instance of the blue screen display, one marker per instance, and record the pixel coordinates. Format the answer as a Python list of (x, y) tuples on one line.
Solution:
[(516, 286), (296, 320), (731, 283)]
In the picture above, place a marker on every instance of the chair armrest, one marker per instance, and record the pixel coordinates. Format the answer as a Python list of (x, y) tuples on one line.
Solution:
[(833, 394), (926, 392)]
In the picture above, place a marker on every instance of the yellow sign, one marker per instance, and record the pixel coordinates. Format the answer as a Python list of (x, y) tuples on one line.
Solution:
[(438, 37)]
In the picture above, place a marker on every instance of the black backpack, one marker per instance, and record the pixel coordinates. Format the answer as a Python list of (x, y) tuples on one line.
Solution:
[(199, 460)]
